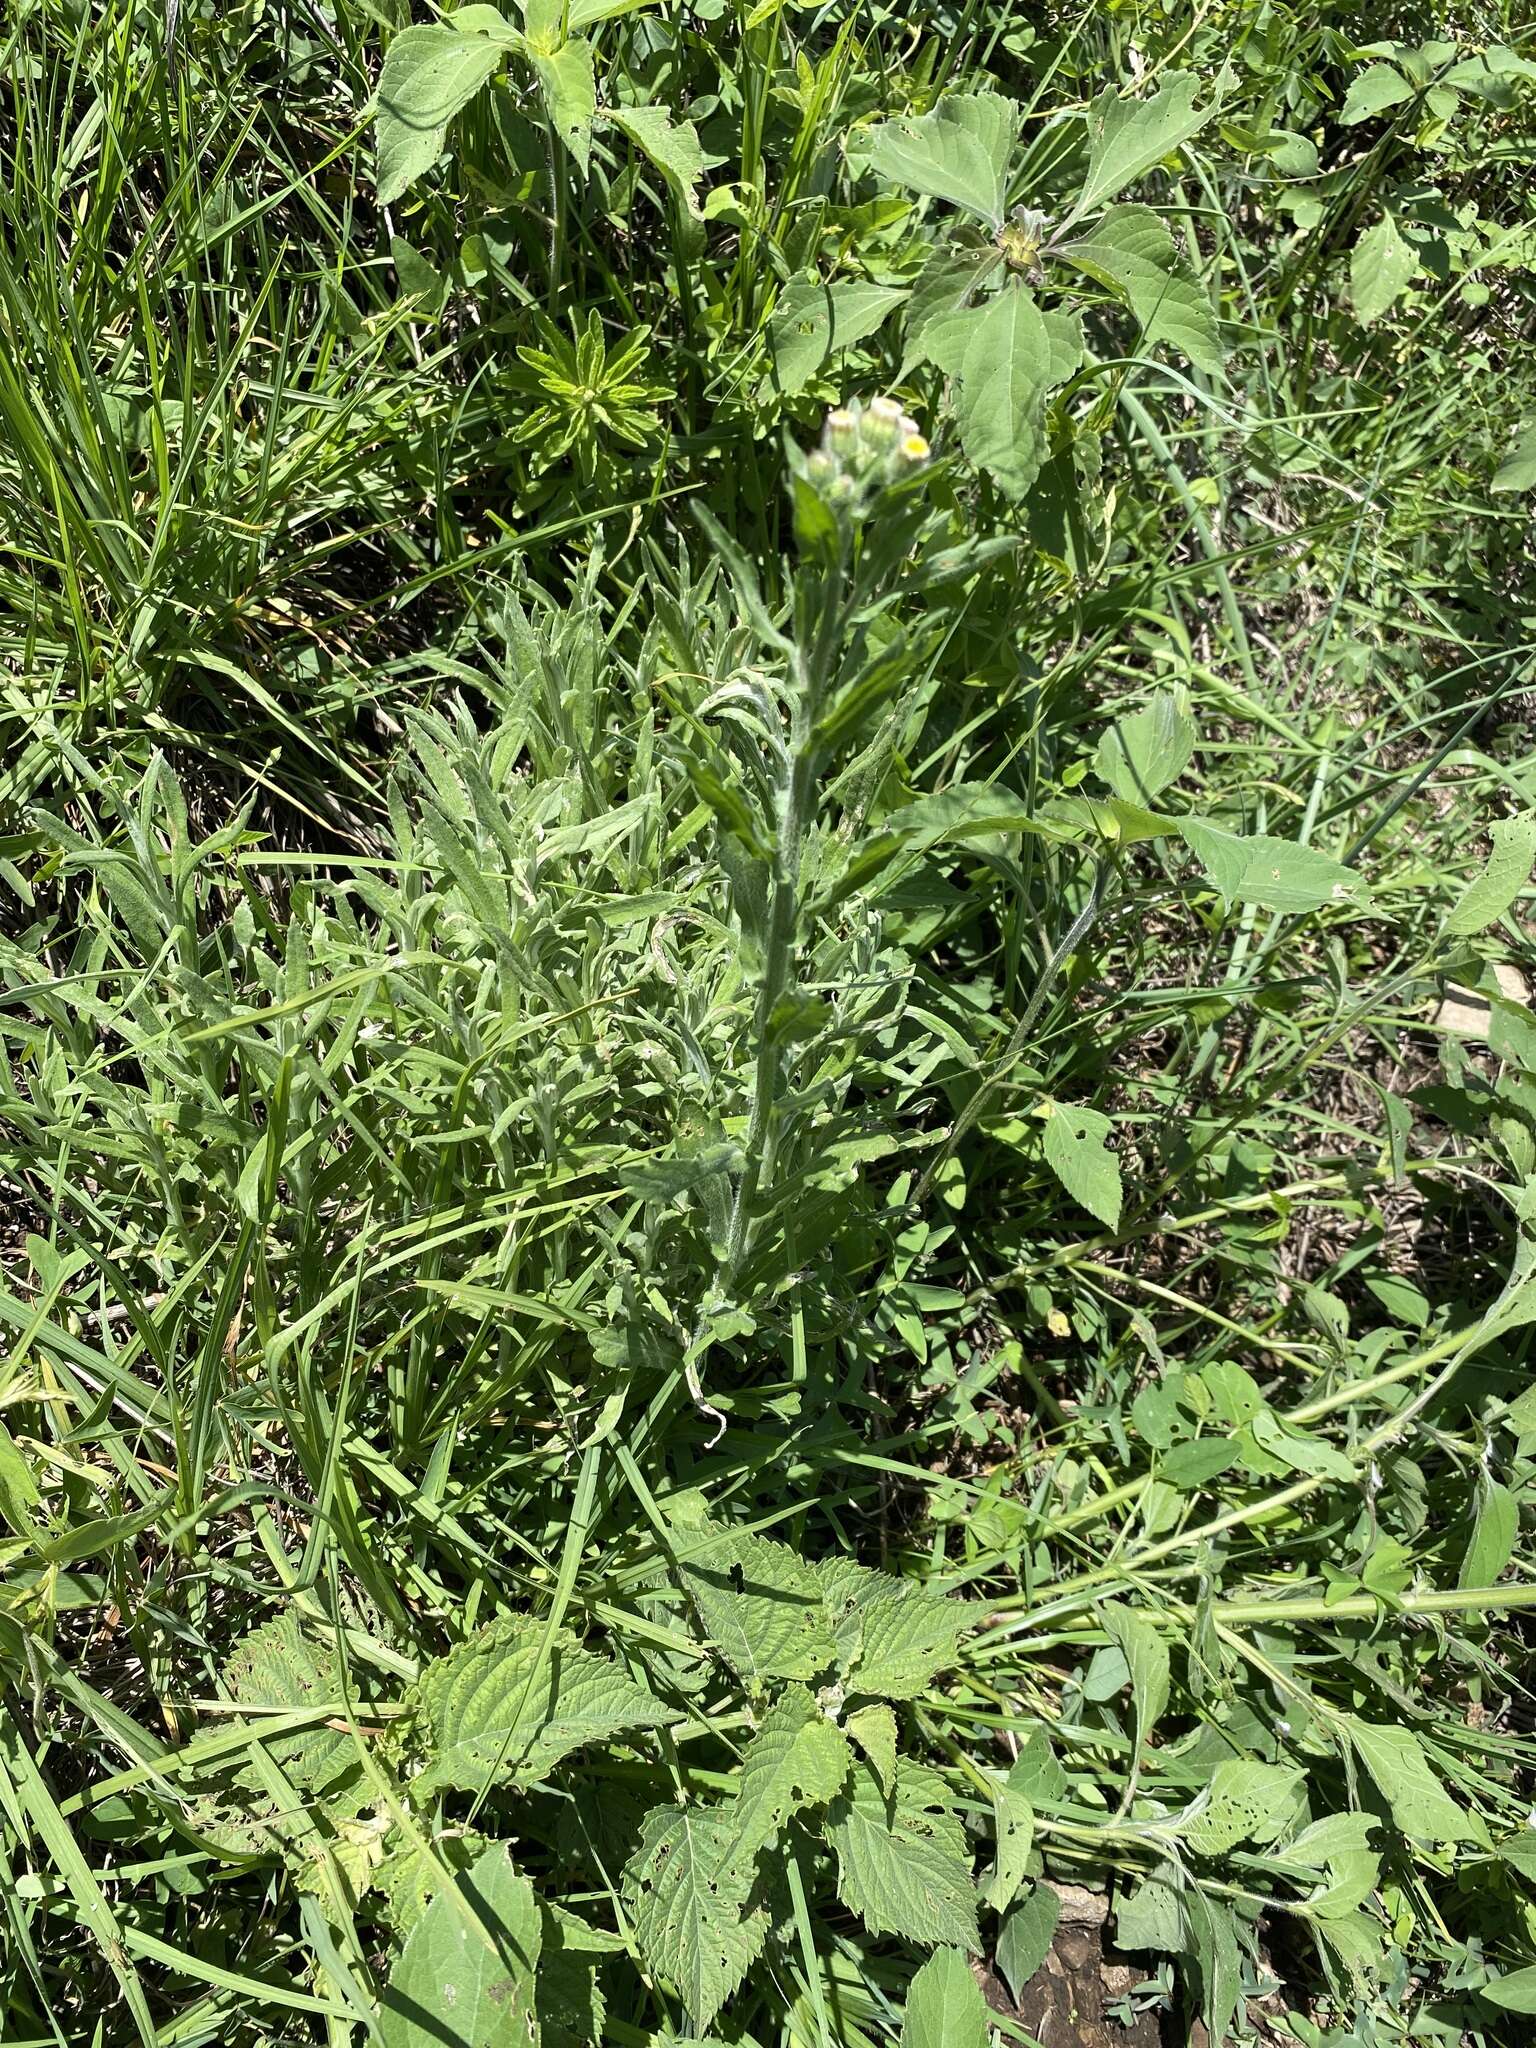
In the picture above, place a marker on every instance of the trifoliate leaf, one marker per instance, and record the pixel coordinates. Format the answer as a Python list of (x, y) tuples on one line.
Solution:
[(467, 1968), (959, 152), (692, 1903), (497, 1709), (1077, 1154), (902, 1866), (945, 2008)]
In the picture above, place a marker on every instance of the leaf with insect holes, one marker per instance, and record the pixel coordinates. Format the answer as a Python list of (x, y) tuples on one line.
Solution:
[(1505, 874), (945, 2008), (797, 1758), (759, 1603), (902, 1866), (692, 1903), (672, 146), (999, 394), (1014, 1828), (431, 72), (497, 1710), (466, 1972), (1127, 137), (1246, 1801), (1077, 1154), (959, 152), (1132, 253), (892, 1637), (278, 1666), (813, 320)]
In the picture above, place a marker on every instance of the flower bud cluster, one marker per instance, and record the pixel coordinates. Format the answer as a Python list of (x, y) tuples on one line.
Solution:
[(864, 447)]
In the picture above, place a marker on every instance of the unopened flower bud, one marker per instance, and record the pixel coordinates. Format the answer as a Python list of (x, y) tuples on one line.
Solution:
[(820, 467), (841, 432)]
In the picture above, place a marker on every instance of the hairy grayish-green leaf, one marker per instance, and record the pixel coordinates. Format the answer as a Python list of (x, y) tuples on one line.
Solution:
[(958, 152)]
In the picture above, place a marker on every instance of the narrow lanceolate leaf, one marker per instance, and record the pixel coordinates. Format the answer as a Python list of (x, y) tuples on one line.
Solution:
[(1000, 392), (1146, 1654), (497, 1709), (902, 1866), (1132, 254), (466, 1973), (959, 152), (797, 1758), (1014, 1822), (945, 2008), (692, 1903), (758, 1602), (1382, 267), (430, 73), (813, 320), (1077, 1152), (1127, 137), (1506, 874), (672, 146), (892, 1638)]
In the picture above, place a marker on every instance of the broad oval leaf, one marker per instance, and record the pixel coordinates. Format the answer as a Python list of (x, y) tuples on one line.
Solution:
[(1127, 137), (1076, 1151), (430, 73), (945, 2008), (959, 152), (466, 1972), (999, 395), (691, 1898)]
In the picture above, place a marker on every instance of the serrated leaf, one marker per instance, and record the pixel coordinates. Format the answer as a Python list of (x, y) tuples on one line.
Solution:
[(901, 1866), (892, 1637), (797, 1758), (945, 2008), (1077, 1154), (813, 319), (1025, 1937), (1420, 1804), (1127, 137), (1382, 267), (959, 152), (1147, 750), (1371, 92), (430, 73), (998, 396), (1505, 874), (1246, 1801), (1132, 253), (874, 1730), (572, 2012), (467, 1968), (568, 82), (760, 1604), (496, 1710), (279, 1666), (672, 146), (693, 1906), (1146, 1655)]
